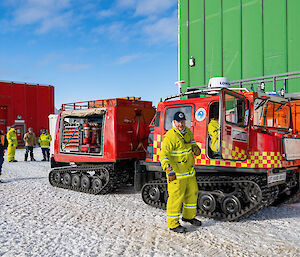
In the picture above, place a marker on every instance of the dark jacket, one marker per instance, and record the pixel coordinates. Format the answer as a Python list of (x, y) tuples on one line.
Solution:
[(3, 147)]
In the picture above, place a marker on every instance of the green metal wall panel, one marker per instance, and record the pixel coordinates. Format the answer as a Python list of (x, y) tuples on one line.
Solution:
[(197, 41), (275, 38), (293, 25), (232, 39), (252, 40), (183, 40), (239, 39), (213, 39)]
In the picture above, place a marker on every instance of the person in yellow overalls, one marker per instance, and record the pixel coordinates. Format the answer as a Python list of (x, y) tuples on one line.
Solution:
[(213, 132), (44, 140), (12, 144), (177, 159)]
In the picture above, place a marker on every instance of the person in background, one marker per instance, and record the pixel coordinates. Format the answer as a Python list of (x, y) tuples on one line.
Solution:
[(213, 132), (44, 140), (12, 144), (177, 159), (30, 142), (3, 146)]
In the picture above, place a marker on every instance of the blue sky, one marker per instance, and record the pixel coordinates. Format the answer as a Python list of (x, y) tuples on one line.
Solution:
[(91, 49)]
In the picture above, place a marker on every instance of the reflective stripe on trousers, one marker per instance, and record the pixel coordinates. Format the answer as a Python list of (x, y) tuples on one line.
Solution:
[(183, 194)]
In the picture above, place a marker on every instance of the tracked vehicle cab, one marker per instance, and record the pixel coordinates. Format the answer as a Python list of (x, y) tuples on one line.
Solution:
[(250, 148)]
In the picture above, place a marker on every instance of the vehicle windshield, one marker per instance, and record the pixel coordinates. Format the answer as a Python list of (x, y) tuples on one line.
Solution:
[(271, 114)]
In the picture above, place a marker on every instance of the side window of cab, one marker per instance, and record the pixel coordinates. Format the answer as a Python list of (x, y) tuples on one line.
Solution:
[(169, 115)]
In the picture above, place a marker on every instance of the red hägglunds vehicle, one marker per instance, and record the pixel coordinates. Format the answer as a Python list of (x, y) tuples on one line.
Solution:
[(97, 142), (258, 157)]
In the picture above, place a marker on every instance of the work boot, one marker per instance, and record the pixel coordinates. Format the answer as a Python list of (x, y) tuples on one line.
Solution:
[(31, 157), (193, 221), (13, 160), (179, 229), (44, 158), (26, 157)]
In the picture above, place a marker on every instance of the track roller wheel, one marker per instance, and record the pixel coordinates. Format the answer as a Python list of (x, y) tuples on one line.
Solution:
[(57, 177), (85, 182), (207, 202), (75, 181), (96, 184), (253, 193), (154, 194), (231, 205), (66, 180)]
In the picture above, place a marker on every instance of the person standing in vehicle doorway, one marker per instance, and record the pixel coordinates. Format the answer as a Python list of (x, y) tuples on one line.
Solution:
[(213, 131), (177, 159), (30, 142)]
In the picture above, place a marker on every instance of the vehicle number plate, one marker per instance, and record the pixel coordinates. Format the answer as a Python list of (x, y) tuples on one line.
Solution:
[(276, 177)]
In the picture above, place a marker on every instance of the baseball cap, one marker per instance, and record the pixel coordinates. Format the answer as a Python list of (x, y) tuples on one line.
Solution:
[(179, 116)]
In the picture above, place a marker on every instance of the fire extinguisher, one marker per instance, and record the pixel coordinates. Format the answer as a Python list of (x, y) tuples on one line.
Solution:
[(86, 133), (94, 139)]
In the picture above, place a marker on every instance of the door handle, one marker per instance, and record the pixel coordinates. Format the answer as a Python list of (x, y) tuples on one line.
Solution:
[(228, 130)]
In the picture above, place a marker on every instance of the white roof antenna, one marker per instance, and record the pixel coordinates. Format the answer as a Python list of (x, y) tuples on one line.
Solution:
[(179, 83)]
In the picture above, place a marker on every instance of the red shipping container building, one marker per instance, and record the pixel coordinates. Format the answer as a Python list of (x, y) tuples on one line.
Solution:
[(25, 105)]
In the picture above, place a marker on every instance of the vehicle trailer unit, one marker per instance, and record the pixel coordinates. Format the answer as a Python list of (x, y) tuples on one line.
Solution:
[(258, 161), (97, 142)]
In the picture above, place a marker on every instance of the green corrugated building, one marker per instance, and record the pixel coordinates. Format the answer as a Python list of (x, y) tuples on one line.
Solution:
[(238, 39)]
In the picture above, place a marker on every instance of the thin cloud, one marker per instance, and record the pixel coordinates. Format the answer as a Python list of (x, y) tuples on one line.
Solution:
[(154, 21), (48, 59), (45, 14), (106, 13), (114, 31), (147, 7), (164, 29), (73, 67), (128, 58), (126, 3)]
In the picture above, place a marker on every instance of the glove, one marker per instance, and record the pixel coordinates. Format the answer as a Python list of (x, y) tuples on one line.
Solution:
[(196, 150), (171, 173), (12, 145)]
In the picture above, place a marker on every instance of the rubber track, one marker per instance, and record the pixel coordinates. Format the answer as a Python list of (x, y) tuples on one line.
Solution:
[(268, 195), (108, 187)]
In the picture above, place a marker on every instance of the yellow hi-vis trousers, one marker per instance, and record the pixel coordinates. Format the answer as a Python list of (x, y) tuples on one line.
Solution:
[(11, 150), (183, 193)]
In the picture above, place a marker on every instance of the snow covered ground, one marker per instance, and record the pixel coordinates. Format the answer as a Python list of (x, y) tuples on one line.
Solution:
[(37, 219)]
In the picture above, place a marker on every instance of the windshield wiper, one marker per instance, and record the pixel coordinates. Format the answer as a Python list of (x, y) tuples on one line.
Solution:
[(261, 103), (281, 106)]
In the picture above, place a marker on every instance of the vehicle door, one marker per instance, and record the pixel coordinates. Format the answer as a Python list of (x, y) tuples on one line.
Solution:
[(295, 111), (234, 125), (154, 135)]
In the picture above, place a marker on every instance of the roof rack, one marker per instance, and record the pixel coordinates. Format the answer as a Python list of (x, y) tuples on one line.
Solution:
[(84, 105), (203, 91), (271, 78), (94, 104), (238, 84)]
